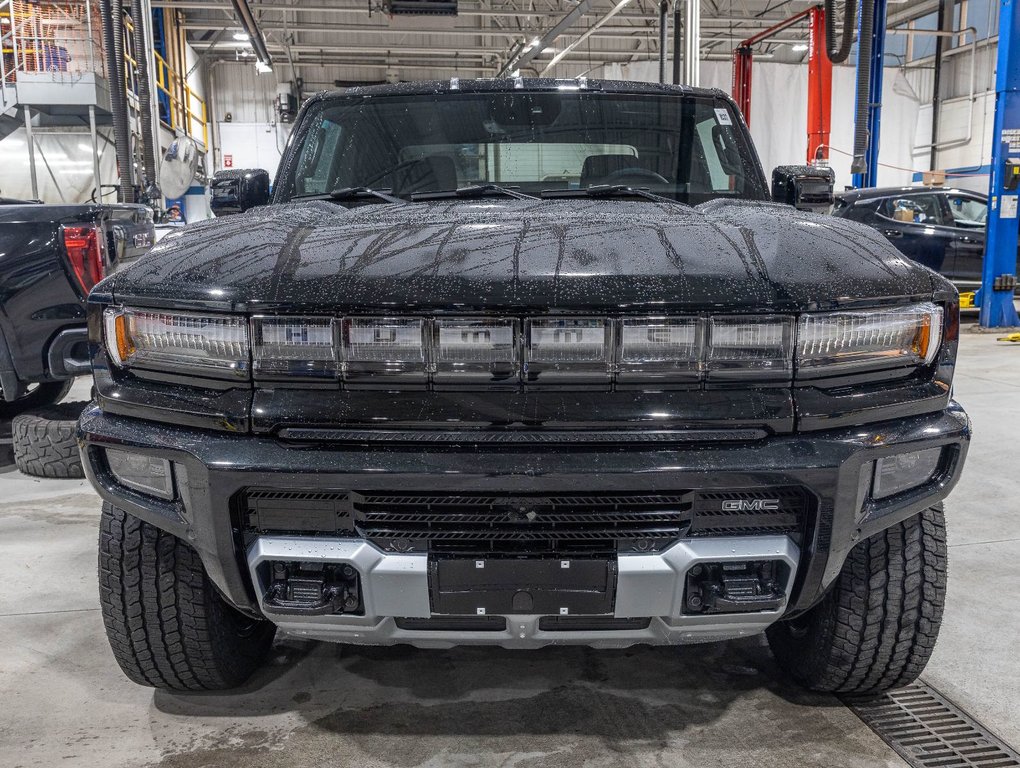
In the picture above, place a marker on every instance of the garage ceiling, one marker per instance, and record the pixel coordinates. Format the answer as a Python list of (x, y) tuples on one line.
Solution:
[(359, 41)]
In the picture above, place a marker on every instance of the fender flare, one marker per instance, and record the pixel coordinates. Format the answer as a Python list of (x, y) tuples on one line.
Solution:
[(9, 382)]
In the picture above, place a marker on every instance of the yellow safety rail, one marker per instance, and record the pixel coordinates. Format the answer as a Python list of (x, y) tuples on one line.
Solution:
[(56, 37), (187, 110)]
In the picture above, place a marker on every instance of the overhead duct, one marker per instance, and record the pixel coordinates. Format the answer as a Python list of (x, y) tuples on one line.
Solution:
[(251, 26), (839, 55), (524, 54), (111, 13), (138, 17)]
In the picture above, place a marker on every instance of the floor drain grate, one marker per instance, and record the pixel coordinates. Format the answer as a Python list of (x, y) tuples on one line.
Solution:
[(928, 731)]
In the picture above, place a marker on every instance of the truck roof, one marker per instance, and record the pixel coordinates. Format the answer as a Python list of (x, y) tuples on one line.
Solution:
[(496, 85), (873, 193)]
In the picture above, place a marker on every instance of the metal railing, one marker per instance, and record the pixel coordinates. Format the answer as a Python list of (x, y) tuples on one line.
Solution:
[(6, 42), (186, 110), (60, 39), (64, 39)]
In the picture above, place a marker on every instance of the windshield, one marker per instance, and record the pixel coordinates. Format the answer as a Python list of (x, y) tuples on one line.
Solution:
[(687, 148)]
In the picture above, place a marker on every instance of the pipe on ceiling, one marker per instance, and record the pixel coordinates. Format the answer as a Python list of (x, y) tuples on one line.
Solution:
[(251, 28), (525, 54)]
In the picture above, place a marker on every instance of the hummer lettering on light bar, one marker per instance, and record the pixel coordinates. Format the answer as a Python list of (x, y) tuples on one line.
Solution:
[(595, 350)]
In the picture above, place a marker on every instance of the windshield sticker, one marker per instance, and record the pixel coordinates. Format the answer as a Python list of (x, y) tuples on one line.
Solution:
[(723, 116)]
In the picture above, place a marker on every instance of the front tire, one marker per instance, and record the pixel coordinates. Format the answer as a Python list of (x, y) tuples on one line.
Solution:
[(167, 625), (876, 628)]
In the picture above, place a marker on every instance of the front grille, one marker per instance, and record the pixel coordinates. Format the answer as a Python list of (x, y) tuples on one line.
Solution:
[(770, 511), (532, 524), (591, 624), (480, 522), (453, 624)]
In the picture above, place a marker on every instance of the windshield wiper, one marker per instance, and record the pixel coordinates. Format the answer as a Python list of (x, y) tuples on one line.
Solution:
[(351, 193), (608, 190), (475, 190)]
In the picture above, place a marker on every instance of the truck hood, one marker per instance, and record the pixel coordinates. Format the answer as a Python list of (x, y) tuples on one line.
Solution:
[(496, 254)]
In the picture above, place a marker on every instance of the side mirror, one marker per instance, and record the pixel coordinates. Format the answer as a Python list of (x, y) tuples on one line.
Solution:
[(805, 187), (237, 191)]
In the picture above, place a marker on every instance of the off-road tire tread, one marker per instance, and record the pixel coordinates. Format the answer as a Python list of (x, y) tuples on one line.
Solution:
[(876, 628), (166, 623), (45, 443)]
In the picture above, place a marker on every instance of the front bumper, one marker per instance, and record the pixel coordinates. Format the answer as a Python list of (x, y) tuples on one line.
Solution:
[(214, 469), (396, 587)]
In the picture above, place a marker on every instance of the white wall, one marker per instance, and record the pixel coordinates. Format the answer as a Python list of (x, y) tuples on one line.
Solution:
[(251, 145), (63, 162), (779, 114), (967, 161), (243, 93)]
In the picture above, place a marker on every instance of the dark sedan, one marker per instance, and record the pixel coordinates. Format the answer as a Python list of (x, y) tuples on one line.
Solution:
[(941, 228)]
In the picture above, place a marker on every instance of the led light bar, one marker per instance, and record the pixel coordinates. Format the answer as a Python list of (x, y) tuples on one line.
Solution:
[(660, 347), (299, 346), (475, 348), (448, 350), (879, 338), (743, 347), (378, 346), (568, 348), (216, 344)]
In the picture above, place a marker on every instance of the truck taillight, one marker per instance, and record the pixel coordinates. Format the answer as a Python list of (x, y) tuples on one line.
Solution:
[(85, 254)]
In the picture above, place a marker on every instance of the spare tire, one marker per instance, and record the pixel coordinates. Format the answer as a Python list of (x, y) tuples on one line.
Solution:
[(45, 444)]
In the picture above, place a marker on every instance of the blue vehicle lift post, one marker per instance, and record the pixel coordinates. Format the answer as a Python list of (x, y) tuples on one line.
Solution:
[(870, 177), (997, 310)]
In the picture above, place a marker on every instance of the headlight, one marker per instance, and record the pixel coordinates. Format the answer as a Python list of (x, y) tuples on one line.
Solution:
[(178, 341), (880, 338)]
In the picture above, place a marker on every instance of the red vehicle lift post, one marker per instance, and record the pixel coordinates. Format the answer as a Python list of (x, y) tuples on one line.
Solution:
[(819, 78)]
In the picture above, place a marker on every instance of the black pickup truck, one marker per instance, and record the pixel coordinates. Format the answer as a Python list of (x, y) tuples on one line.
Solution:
[(523, 362), (50, 258)]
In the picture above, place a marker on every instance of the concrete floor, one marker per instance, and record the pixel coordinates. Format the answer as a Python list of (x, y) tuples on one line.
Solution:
[(63, 700)]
